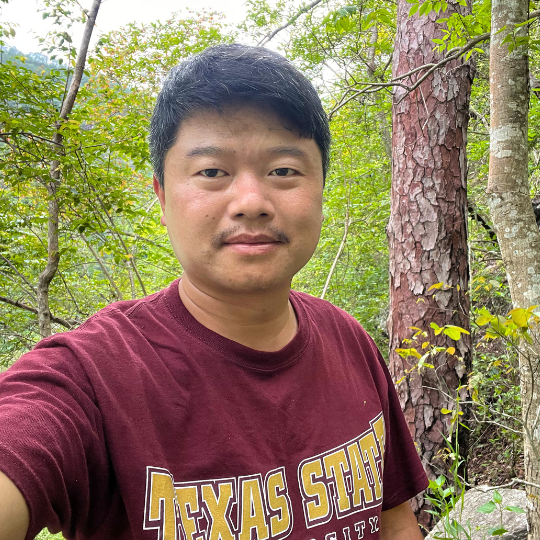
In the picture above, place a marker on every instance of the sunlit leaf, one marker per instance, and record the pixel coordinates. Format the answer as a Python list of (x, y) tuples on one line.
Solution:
[(487, 508)]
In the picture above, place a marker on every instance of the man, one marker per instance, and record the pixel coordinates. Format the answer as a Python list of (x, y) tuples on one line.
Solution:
[(225, 407)]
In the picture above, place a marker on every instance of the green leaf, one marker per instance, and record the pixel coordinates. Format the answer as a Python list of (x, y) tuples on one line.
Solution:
[(414, 9), (516, 509), (520, 317), (487, 508), (433, 485), (454, 332), (424, 9), (437, 329), (497, 497), (497, 531)]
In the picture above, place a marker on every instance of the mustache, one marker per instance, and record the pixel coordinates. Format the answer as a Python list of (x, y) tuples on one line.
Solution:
[(277, 233)]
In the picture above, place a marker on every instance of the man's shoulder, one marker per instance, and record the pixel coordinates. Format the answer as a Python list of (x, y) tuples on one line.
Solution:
[(129, 309), (119, 318)]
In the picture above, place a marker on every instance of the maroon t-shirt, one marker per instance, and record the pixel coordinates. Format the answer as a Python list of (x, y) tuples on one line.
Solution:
[(143, 424)]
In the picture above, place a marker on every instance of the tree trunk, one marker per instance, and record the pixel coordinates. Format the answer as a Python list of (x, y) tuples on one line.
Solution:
[(53, 251), (45, 278), (427, 234), (513, 216)]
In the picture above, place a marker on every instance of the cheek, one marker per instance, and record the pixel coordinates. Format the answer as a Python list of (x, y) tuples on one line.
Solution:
[(191, 212), (308, 210), (307, 219)]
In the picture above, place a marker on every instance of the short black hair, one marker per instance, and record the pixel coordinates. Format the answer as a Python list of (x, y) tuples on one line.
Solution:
[(230, 74)]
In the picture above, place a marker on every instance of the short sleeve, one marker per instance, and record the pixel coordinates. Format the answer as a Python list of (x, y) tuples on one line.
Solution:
[(403, 474), (52, 444)]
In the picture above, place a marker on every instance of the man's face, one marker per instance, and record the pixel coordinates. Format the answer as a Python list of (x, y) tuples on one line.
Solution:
[(242, 200)]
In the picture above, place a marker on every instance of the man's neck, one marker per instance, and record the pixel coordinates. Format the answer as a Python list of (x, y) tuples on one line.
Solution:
[(265, 322)]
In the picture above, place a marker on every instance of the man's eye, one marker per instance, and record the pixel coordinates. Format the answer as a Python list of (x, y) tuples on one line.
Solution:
[(283, 171), (212, 173)]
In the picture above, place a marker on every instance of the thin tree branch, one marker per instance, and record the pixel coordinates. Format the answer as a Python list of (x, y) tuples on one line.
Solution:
[(452, 54), (70, 293), (147, 240), (103, 267), (512, 483), (473, 212), (338, 254), (118, 234), (67, 324), (67, 105), (292, 20), (14, 268)]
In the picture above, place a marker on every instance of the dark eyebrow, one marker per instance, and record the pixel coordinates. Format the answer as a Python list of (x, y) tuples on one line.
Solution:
[(217, 151), (293, 151), (207, 151)]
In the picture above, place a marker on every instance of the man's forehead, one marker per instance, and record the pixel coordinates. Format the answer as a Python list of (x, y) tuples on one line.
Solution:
[(231, 118), (209, 132), (212, 150)]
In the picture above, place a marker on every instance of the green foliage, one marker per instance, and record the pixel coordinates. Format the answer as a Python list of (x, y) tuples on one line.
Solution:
[(443, 499), (341, 19), (496, 504), (424, 8), (111, 243), (356, 190)]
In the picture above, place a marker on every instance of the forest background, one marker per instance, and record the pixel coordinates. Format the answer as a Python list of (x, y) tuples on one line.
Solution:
[(79, 224)]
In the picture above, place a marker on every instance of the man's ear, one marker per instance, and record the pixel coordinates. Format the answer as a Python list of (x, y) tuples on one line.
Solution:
[(160, 192)]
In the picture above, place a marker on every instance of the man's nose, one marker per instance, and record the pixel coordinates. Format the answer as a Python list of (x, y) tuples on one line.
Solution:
[(251, 197)]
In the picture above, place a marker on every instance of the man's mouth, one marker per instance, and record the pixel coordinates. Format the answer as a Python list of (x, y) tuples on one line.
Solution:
[(252, 244), (251, 239)]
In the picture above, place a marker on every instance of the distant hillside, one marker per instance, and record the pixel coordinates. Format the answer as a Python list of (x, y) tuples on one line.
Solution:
[(37, 62)]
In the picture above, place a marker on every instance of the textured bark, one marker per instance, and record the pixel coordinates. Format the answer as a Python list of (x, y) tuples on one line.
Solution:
[(427, 233), (513, 216), (47, 275), (52, 184)]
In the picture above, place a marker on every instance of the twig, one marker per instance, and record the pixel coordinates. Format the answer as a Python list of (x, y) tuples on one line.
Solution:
[(68, 103), (147, 240), (452, 54), (14, 268), (103, 267), (512, 482), (272, 34), (67, 324), (338, 254), (475, 114)]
